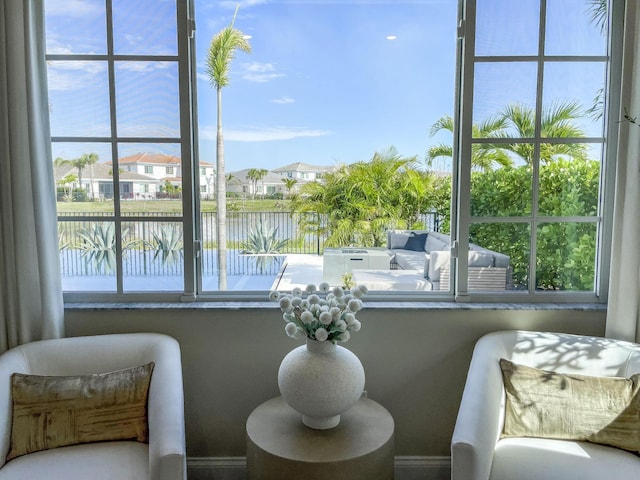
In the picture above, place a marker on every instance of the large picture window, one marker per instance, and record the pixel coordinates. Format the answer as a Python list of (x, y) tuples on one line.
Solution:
[(426, 149)]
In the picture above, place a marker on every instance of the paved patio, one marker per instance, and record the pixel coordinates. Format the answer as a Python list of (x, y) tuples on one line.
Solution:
[(299, 270)]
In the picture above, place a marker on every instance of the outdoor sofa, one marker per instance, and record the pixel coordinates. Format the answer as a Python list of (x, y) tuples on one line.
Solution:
[(429, 253)]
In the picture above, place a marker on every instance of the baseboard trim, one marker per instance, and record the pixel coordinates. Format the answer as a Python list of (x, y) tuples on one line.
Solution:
[(234, 468)]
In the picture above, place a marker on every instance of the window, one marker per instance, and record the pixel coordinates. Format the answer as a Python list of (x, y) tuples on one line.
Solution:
[(114, 89), (532, 141), (506, 165)]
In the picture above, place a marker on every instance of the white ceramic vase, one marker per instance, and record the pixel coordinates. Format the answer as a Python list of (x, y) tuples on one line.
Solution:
[(321, 380)]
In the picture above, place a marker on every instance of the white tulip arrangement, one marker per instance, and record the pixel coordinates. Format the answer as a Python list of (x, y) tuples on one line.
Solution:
[(324, 314)]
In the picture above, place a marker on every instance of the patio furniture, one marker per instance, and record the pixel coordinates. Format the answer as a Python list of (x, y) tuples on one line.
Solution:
[(429, 253), (477, 450), (339, 261), (162, 458), (391, 279)]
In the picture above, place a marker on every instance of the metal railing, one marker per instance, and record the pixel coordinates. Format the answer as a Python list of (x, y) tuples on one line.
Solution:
[(154, 248)]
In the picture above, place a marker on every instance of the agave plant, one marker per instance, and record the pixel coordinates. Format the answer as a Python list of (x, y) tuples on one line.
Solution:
[(168, 244), (63, 244), (263, 241), (98, 245)]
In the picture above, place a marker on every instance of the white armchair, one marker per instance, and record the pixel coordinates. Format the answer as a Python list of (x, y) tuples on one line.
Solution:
[(163, 458), (478, 452)]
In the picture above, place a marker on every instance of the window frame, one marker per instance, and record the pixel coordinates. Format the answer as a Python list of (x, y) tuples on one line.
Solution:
[(461, 219), (460, 196)]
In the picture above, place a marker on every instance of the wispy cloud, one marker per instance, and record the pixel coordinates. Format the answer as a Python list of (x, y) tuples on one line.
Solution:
[(74, 8), (267, 134), (283, 100), (259, 72), (70, 75), (144, 66)]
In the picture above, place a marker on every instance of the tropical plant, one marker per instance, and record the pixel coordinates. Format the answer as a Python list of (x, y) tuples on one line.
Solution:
[(517, 121), (484, 156), (263, 242), (255, 175), (219, 56), (89, 160), (67, 183), (168, 244), (98, 245), (83, 161), (356, 204), (289, 183)]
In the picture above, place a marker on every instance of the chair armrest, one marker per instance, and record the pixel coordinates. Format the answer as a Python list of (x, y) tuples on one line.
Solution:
[(167, 446), (10, 362), (480, 417)]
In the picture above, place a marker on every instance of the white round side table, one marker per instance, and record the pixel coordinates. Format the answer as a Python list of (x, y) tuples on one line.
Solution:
[(281, 447)]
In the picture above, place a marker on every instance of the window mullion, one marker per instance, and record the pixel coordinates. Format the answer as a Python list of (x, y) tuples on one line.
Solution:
[(461, 215)]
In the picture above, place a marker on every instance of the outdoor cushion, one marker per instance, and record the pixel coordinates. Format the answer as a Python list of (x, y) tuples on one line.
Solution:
[(434, 243), (416, 242), (441, 259), (398, 240), (411, 260)]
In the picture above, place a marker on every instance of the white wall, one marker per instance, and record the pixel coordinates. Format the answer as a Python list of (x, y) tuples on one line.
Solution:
[(415, 362)]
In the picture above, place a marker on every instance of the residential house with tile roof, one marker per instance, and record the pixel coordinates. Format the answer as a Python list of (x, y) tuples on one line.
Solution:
[(168, 168), (304, 171), (97, 182)]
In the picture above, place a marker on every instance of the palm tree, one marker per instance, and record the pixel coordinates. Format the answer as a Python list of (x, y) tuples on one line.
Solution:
[(289, 183), (89, 159), (219, 56), (359, 202), (255, 175), (484, 156), (517, 121)]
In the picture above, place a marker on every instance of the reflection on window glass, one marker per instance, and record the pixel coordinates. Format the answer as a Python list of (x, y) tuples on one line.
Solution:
[(569, 180), (78, 98), (88, 255), (147, 99), (143, 178), (507, 27), (582, 32), (500, 87), (509, 245), (145, 27), (502, 192), (80, 28), (573, 94), (153, 256), (84, 178), (566, 255)]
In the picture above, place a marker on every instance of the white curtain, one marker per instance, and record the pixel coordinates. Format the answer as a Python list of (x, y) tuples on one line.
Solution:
[(31, 306), (623, 315)]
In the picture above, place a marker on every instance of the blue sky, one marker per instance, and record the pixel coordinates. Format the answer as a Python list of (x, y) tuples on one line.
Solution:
[(324, 84)]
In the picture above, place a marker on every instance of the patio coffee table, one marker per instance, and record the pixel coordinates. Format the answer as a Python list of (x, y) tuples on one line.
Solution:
[(338, 261), (391, 279)]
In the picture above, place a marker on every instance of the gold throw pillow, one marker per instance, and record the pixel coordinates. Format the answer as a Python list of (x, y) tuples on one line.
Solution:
[(546, 404), (50, 412)]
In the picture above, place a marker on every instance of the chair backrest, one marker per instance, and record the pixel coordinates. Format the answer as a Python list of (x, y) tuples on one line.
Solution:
[(565, 353), (81, 356)]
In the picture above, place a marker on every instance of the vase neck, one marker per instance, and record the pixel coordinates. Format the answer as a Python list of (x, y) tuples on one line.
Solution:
[(320, 347)]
